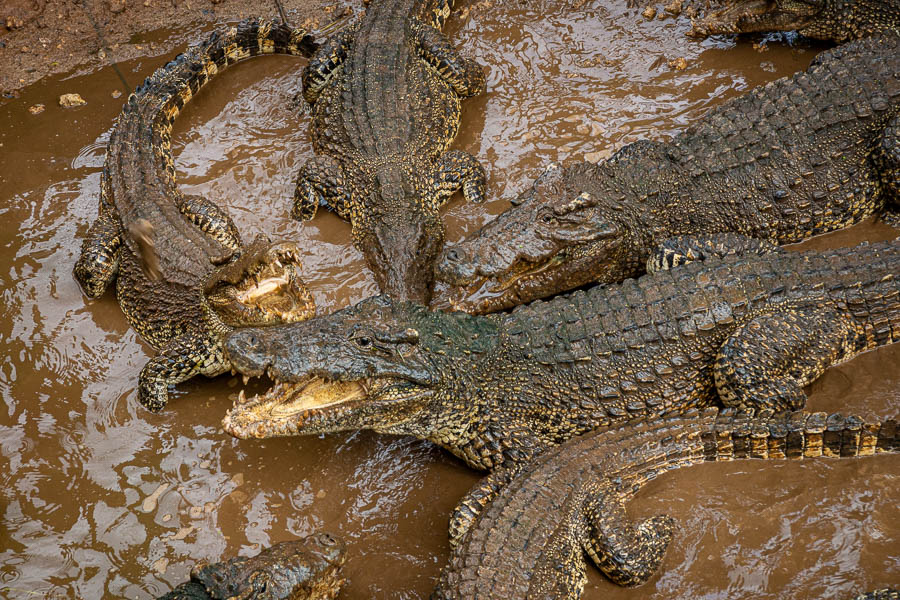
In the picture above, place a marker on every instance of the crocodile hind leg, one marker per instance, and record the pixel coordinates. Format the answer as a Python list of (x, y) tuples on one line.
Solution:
[(776, 351), (457, 169), (476, 499), (887, 161), (320, 183), (191, 353), (684, 249), (629, 554), (99, 260), (325, 62), (213, 221), (465, 76)]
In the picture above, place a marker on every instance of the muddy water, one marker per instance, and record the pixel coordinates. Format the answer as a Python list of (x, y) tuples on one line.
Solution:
[(101, 498)]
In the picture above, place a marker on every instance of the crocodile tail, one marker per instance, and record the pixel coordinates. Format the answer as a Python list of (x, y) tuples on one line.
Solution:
[(734, 434), (144, 127)]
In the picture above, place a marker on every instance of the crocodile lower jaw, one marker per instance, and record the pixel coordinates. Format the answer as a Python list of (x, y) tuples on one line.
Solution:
[(312, 405)]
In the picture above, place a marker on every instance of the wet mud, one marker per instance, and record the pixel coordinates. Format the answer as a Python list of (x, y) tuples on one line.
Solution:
[(100, 498)]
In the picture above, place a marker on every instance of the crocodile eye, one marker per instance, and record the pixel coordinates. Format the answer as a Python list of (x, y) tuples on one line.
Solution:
[(547, 218), (363, 342)]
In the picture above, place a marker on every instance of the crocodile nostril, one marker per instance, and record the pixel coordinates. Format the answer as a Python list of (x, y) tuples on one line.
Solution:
[(246, 343)]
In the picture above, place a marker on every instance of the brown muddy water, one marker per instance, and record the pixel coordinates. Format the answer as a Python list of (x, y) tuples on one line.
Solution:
[(100, 498)]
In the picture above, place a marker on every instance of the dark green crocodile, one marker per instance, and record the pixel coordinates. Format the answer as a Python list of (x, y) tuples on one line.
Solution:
[(386, 105), (830, 20), (531, 540), (183, 277), (754, 328), (306, 569), (797, 157)]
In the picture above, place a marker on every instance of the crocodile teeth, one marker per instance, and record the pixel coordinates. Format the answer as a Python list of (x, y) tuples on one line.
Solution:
[(233, 371), (246, 380), (242, 397)]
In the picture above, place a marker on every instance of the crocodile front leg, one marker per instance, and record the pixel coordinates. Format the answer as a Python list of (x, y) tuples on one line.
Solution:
[(213, 221), (457, 169), (324, 64), (99, 260), (629, 554), (781, 348), (320, 183), (684, 249), (185, 356), (887, 160), (465, 76)]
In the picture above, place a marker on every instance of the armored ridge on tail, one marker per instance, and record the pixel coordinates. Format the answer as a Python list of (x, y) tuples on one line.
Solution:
[(800, 156), (513, 551), (386, 106), (749, 330), (183, 277)]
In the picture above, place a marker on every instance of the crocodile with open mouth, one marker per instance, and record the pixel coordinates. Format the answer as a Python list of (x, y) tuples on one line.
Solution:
[(749, 329), (797, 157), (183, 277)]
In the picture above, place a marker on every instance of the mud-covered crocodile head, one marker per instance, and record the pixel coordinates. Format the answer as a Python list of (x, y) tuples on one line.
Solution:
[(262, 286), (556, 237), (306, 569), (831, 20), (399, 231), (381, 364)]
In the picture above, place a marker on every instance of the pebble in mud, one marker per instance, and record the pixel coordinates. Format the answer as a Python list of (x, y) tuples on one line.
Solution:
[(36, 109), (69, 100), (678, 64), (649, 13), (161, 565)]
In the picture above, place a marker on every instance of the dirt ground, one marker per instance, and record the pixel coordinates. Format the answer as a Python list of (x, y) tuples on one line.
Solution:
[(45, 37)]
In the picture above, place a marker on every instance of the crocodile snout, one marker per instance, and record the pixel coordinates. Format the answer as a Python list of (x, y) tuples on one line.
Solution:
[(246, 351)]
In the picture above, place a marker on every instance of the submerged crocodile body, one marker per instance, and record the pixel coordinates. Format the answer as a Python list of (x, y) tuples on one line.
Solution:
[(513, 551), (750, 330), (306, 569), (183, 277), (830, 20), (386, 106), (797, 157)]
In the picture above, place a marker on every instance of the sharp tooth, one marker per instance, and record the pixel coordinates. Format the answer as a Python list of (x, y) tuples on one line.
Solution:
[(233, 371), (242, 397), (278, 264), (246, 379)]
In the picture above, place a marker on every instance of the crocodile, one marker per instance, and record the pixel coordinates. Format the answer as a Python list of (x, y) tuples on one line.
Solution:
[(513, 551), (305, 569), (385, 96), (182, 275), (799, 156), (830, 20), (750, 329)]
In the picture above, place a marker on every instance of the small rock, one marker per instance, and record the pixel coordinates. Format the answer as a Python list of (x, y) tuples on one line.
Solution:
[(649, 13), (205, 464), (167, 517), (182, 533), (321, 494), (691, 12), (161, 565), (196, 512), (36, 109), (679, 64), (115, 93), (583, 129), (760, 47), (13, 22), (69, 100), (674, 7)]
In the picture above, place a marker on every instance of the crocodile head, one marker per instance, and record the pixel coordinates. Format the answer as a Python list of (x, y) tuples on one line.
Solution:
[(556, 237), (746, 16), (262, 286), (303, 569), (381, 364), (400, 233)]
